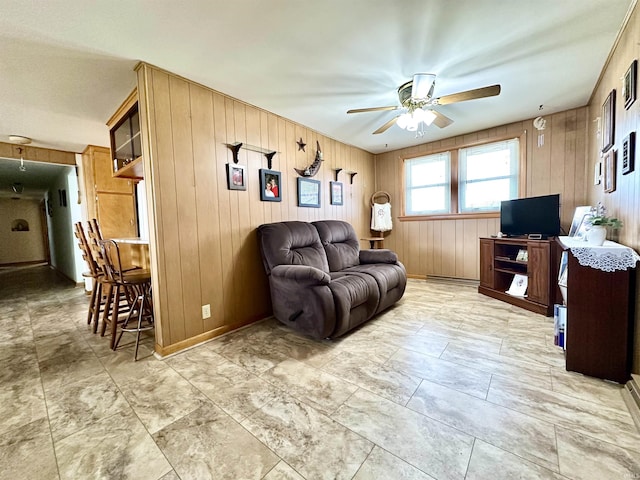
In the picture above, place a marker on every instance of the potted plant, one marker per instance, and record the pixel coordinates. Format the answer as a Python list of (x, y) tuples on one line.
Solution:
[(598, 232)]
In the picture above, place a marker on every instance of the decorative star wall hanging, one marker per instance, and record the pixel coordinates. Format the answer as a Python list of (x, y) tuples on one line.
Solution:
[(301, 145)]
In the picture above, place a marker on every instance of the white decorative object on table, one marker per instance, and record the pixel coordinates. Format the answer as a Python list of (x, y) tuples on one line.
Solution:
[(596, 235)]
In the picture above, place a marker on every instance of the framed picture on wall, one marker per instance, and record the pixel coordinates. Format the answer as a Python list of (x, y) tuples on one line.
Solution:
[(236, 177), (270, 185), (608, 121), (610, 171), (308, 192), (629, 85), (336, 190), (628, 153)]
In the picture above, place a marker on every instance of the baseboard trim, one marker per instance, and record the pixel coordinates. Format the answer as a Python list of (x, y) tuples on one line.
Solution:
[(163, 352), (23, 264), (631, 396), (442, 278)]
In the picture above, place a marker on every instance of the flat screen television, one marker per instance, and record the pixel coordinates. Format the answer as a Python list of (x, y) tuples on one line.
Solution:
[(531, 216)]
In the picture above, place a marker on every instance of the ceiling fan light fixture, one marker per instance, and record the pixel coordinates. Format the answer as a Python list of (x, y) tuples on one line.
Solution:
[(411, 121), (422, 86)]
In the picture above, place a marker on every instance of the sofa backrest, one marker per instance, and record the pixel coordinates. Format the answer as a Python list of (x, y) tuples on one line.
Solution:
[(291, 243), (340, 243)]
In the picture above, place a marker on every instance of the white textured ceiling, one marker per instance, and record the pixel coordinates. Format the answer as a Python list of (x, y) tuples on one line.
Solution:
[(66, 65)]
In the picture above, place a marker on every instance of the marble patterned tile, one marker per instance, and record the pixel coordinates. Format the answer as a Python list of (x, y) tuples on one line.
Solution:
[(552, 356), (608, 424), (70, 367), (172, 475), (515, 432), (497, 364), (162, 399), (461, 338), (282, 471), (21, 402), (310, 442), (208, 444), (321, 390), (27, 452), (75, 405), (238, 392), (464, 379), (383, 380), (584, 458), (65, 343), (257, 358), (588, 388), (124, 370), (19, 362), (492, 462), (113, 447), (381, 464), (429, 445)]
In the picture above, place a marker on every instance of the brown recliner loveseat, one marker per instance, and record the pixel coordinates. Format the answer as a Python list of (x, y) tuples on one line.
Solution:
[(321, 283)]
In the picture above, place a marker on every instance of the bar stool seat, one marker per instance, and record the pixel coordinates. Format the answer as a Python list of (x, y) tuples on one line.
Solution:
[(137, 287)]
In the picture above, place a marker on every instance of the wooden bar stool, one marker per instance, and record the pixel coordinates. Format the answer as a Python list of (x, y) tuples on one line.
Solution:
[(136, 284)]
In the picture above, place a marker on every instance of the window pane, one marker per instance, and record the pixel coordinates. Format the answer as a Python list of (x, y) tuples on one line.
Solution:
[(429, 200), (486, 195), (429, 173), (488, 175), (427, 184), (489, 165)]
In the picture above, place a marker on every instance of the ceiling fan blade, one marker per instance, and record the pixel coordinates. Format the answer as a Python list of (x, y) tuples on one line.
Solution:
[(387, 125), (483, 92), (372, 109), (441, 120)]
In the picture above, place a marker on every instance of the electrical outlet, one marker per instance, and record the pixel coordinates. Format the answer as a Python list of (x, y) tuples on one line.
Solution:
[(206, 311)]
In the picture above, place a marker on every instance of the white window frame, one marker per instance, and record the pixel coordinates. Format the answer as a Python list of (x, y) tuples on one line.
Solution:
[(409, 165), (512, 145)]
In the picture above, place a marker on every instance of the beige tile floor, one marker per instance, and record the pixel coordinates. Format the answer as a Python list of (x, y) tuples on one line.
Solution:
[(449, 384)]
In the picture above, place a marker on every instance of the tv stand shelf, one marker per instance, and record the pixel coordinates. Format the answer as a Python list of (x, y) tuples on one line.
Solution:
[(499, 263)]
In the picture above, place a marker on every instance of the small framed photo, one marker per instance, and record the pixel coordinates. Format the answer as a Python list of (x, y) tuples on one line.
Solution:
[(610, 171), (270, 185), (608, 121), (236, 176), (578, 217), (628, 153), (597, 173), (336, 190), (308, 192), (629, 85)]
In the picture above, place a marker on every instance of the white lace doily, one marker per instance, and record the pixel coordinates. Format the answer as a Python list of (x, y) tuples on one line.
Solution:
[(609, 257)]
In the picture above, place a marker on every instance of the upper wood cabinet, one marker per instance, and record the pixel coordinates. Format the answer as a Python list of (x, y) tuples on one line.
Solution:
[(109, 199), (126, 143)]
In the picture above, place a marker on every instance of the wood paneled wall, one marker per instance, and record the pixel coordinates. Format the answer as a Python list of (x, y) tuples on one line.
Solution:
[(624, 202), (203, 243), (450, 248)]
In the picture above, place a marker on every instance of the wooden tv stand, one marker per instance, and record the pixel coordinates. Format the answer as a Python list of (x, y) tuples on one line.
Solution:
[(499, 264)]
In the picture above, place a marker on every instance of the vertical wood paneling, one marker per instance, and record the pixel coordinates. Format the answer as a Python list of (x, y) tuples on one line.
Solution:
[(206, 243), (185, 203), (624, 202), (166, 196)]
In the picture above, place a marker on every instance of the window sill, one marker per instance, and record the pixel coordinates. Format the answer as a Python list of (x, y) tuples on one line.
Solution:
[(448, 216)]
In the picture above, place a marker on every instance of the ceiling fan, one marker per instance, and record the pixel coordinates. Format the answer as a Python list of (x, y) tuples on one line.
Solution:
[(416, 97)]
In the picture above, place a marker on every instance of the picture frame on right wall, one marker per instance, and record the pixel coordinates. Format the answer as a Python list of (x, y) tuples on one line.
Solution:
[(629, 85), (610, 171), (608, 121), (628, 153)]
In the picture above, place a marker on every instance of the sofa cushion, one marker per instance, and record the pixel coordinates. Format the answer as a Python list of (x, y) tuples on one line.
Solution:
[(340, 244), (291, 243)]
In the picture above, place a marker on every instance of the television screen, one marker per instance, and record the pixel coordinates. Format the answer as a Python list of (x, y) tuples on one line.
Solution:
[(531, 216)]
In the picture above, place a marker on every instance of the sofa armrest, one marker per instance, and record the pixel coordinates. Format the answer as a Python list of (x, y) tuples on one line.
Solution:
[(378, 256), (302, 274)]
